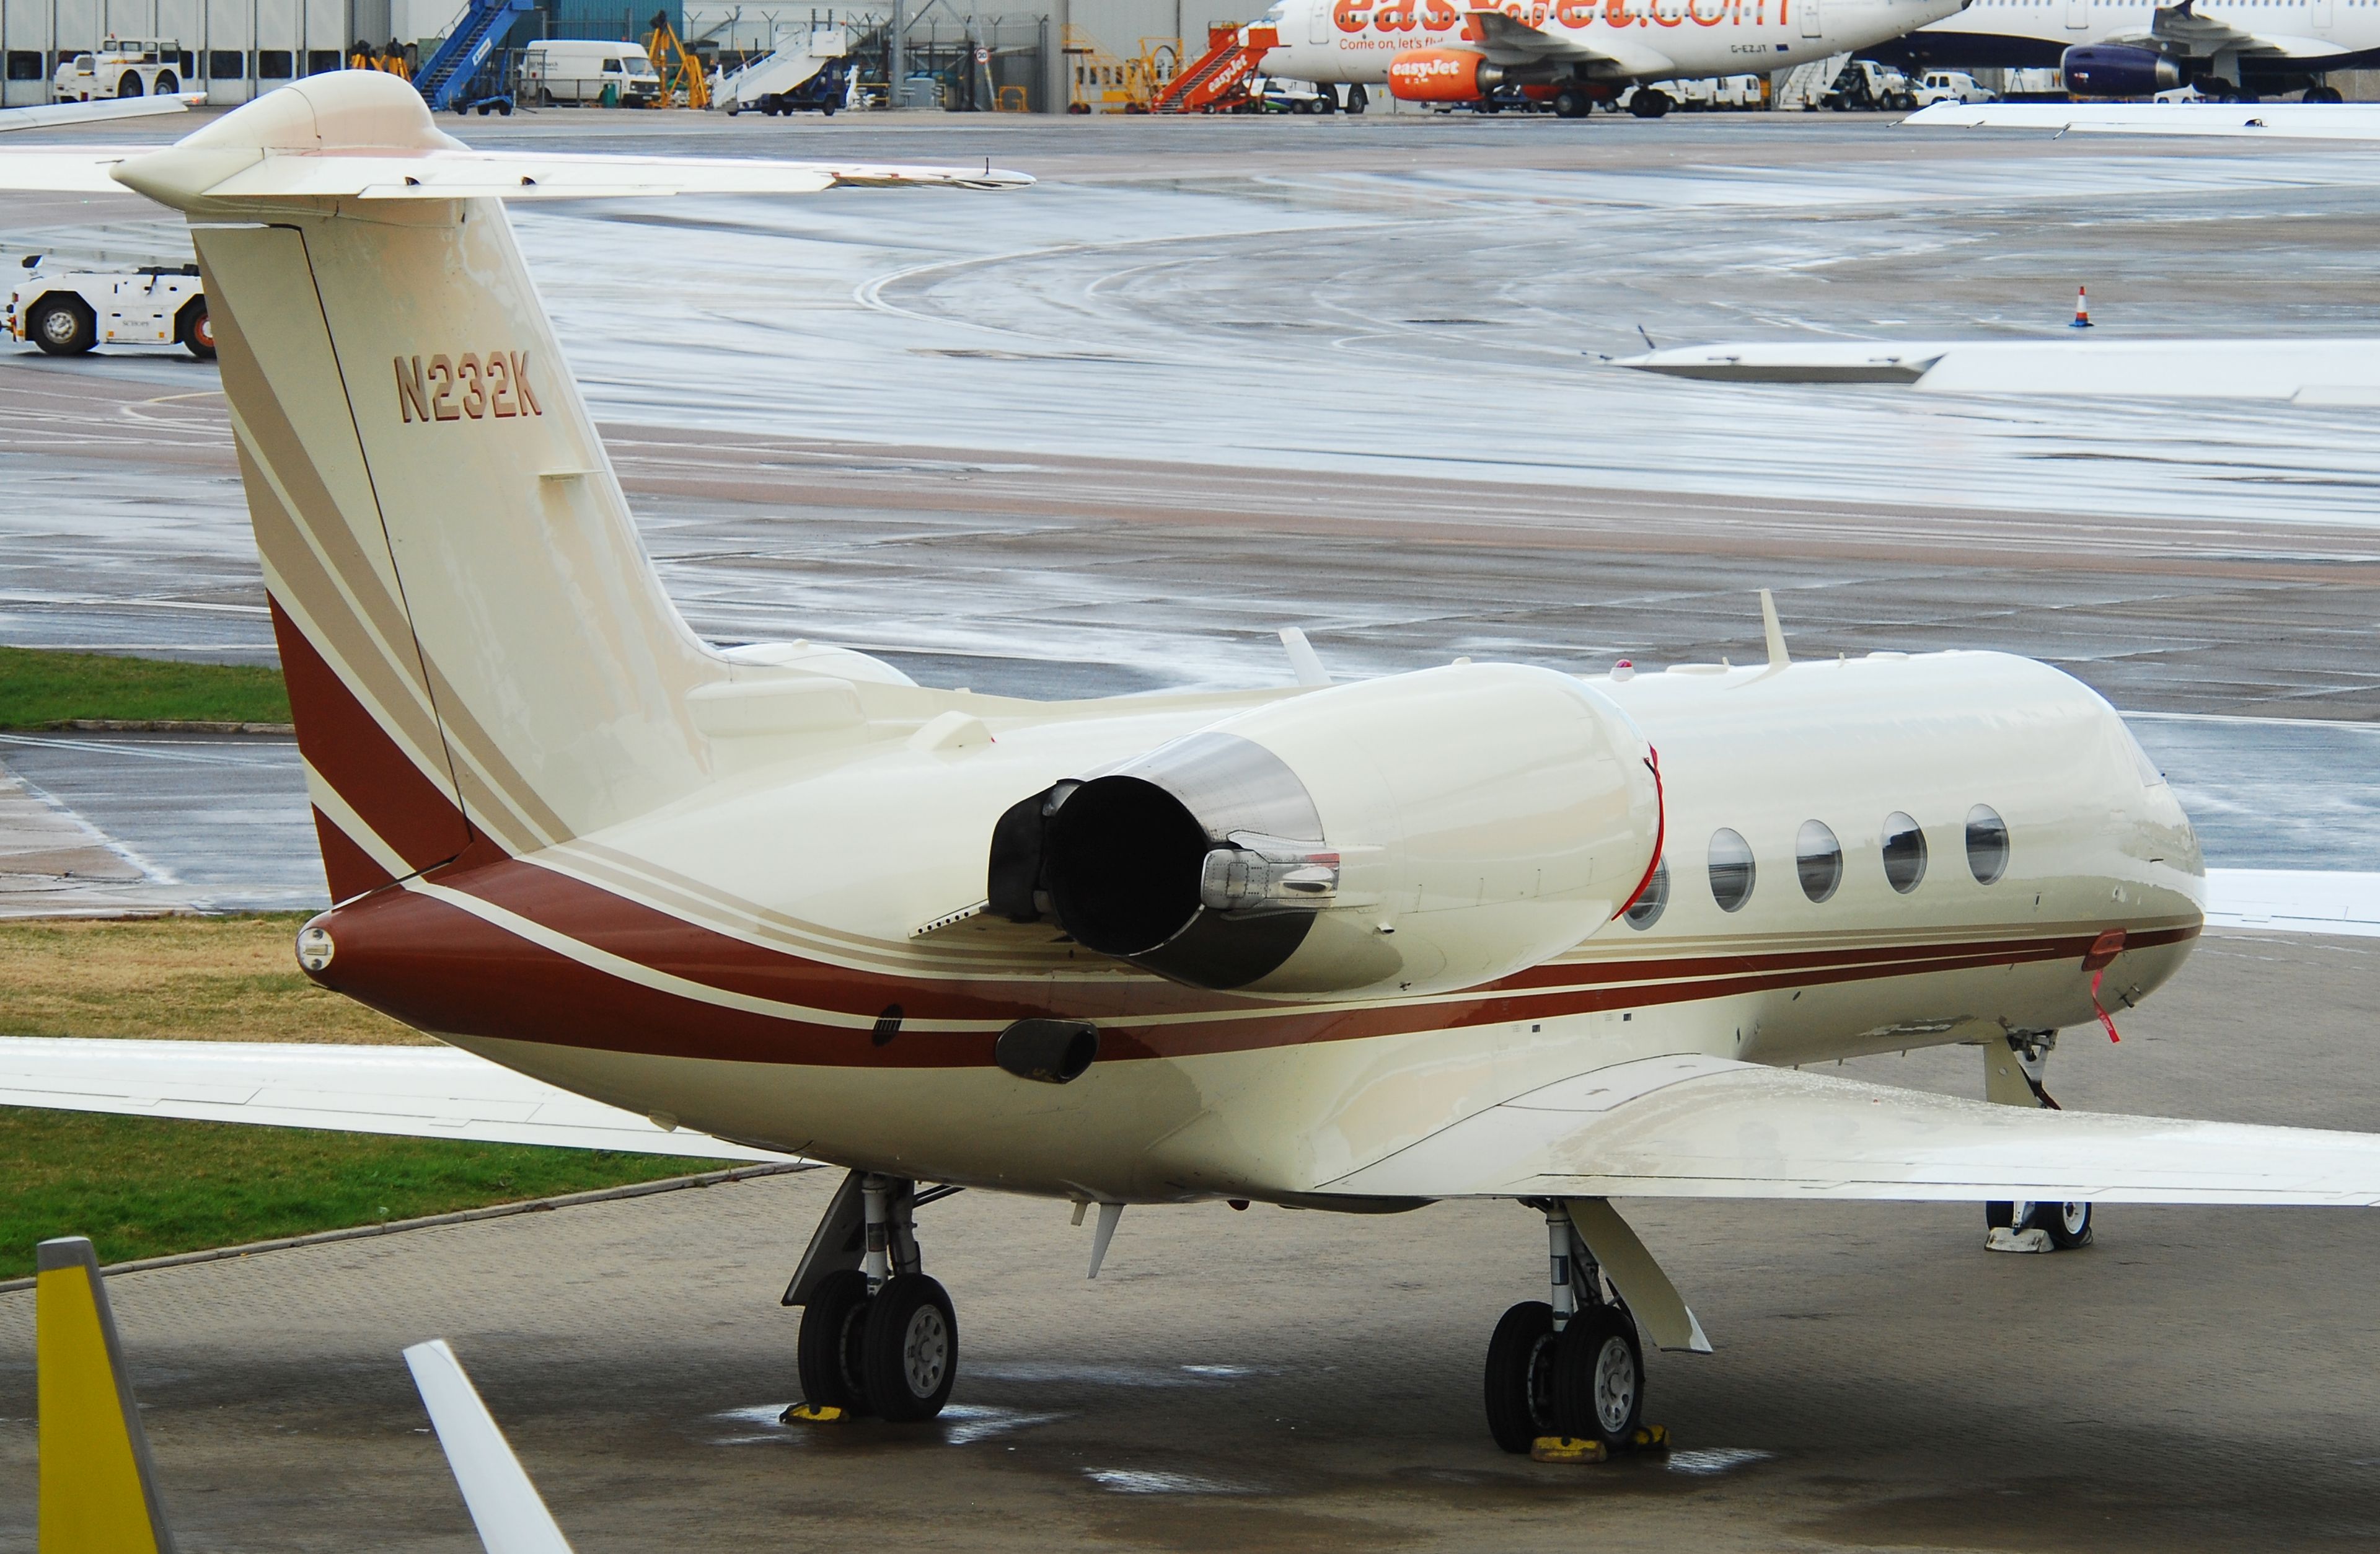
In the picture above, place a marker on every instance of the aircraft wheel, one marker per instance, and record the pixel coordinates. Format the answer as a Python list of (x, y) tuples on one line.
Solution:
[(1599, 1376), (1648, 103), (2068, 1224), (1521, 1377), (194, 332), (2323, 95), (1570, 103), (910, 1355), (63, 326), (1358, 99), (830, 1349)]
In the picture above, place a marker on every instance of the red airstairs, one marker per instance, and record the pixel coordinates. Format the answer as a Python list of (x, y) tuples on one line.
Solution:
[(1217, 79)]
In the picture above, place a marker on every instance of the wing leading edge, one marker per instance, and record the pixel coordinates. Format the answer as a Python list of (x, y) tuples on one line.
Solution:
[(419, 1092), (1691, 1127)]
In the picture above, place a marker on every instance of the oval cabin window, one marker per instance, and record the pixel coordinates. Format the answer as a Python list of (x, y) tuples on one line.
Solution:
[(1905, 852), (1730, 870), (1647, 908), (1818, 858), (1987, 844)]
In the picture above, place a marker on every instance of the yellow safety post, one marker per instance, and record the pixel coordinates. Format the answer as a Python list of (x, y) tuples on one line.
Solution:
[(98, 1495)]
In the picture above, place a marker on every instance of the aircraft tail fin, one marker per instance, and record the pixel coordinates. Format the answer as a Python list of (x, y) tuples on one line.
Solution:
[(504, 1505), (98, 1494), (481, 660)]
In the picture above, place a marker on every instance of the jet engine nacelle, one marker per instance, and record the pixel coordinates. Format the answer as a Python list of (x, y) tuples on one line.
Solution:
[(1420, 833), (2117, 70), (1442, 76)]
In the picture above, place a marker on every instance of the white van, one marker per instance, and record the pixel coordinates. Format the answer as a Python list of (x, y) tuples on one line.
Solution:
[(576, 70), (1952, 86)]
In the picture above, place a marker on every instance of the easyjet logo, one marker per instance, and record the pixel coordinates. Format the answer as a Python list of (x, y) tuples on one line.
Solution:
[(1442, 16), (468, 387)]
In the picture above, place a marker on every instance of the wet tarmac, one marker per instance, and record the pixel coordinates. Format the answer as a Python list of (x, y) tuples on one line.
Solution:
[(2197, 1380), (1213, 378)]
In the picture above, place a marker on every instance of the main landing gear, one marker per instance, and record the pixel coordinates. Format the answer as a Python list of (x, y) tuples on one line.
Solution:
[(2012, 1076), (1566, 1377), (880, 1338)]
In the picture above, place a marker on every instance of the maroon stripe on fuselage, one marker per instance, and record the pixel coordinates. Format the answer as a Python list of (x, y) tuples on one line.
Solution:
[(348, 749), (437, 966)]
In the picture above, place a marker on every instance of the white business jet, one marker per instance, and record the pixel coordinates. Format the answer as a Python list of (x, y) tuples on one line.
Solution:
[(1571, 54), (1483, 931), (2227, 49)]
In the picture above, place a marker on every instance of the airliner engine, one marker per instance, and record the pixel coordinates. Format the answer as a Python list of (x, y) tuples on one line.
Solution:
[(2117, 70), (1442, 76), (1423, 834)]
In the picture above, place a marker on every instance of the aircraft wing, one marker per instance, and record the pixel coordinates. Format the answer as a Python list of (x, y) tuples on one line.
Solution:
[(2181, 27), (465, 174), (1509, 40), (420, 1092), (2269, 121), (49, 115), (1691, 1127)]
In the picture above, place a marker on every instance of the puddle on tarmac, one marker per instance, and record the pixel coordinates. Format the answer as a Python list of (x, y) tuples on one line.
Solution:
[(1150, 1481), (1712, 1461), (960, 1424)]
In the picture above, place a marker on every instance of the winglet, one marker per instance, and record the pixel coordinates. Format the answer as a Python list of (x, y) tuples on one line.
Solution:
[(1303, 662), (1777, 657), (506, 1507), (98, 1494)]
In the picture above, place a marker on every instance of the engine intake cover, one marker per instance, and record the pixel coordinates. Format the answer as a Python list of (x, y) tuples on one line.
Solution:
[(1423, 832)]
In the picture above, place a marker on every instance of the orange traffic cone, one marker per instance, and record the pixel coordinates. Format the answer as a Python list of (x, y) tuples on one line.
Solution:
[(2082, 308)]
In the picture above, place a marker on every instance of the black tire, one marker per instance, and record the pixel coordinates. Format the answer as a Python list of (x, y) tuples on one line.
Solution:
[(2068, 1224), (168, 83), (1600, 1378), (834, 1325), (128, 85), (1521, 1377), (504, 108), (910, 1355), (1999, 1215), (1328, 102), (1570, 103), (62, 325), (1357, 98), (1648, 103), (194, 331)]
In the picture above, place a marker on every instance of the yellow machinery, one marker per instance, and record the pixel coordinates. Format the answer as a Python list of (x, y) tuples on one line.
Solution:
[(1105, 83), (684, 84)]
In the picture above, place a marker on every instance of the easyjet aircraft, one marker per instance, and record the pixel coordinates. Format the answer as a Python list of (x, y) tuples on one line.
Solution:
[(1572, 53), (1481, 932)]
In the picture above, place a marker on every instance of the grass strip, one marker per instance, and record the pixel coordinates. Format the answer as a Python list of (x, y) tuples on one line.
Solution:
[(150, 1187), (188, 978), (43, 689)]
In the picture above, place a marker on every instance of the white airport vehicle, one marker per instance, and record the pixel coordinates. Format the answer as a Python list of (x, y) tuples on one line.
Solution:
[(1586, 52), (1865, 84), (139, 67), (1951, 85), (576, 71), (1278, 94), (1481, 932), (812, 73), (67, 312), (2229, 49)]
